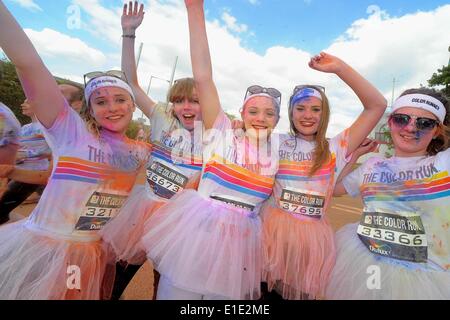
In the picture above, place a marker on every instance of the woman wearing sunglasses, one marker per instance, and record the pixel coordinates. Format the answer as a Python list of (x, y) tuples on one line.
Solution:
[(206, 243), (401, 247), (175, 162), (57, 253), (298, 239)]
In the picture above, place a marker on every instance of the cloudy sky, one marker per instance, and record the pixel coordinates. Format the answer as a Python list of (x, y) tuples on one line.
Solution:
[(267, 42)]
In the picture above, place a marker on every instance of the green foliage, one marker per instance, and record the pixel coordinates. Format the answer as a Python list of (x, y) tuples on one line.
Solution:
[(134, 127), (11, 93), (441, 78)]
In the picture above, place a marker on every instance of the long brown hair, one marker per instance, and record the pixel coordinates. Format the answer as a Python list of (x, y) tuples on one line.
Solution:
[(442, 141), (321, 154)]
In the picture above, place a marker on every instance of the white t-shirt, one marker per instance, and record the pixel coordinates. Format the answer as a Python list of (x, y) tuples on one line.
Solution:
[(9, 126), (34, 147), (295, 191), (407, 208), (91, 178), (176, 153), (237, 172)]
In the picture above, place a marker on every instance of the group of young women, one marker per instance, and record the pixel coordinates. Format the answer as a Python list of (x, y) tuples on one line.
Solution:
[(226, 209)]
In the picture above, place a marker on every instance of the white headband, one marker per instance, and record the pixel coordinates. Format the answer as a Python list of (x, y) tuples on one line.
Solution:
[(421, 101), (277, 106), (106, 81)]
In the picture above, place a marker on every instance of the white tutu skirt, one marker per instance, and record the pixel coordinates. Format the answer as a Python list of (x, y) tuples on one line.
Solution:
[(355, 275), (125, 231), (34, 266), (206, 246)]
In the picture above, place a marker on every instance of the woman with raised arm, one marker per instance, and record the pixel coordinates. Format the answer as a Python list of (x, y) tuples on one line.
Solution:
[(175, 162), (298, 239), (401, 247), (207, 244), (57, 253)]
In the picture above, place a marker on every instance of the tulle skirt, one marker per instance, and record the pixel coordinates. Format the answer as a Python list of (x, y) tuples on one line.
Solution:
[(362, 275), (37, 265), (206, 246), (125, 231), (299, 255)]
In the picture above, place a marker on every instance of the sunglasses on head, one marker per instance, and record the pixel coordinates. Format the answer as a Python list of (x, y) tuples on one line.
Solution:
[(312, 86), (274, 93), (402, 120), (111, 73)]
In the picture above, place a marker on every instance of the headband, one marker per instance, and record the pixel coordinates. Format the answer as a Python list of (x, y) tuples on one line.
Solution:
[(277, 105), (421, 101), (305, 94), (106, 81)]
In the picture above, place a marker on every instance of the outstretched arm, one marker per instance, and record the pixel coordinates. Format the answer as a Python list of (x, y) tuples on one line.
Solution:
[(373, 101), (201, 63), (39, 85), (131, 19)]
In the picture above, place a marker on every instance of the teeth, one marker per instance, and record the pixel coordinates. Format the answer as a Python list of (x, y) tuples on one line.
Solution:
[(114, 118)]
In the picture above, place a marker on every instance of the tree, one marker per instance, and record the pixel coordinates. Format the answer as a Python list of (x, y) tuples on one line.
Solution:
[(11, 93), (441, 78)]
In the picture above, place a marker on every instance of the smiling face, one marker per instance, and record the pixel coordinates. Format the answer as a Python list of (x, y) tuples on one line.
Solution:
[(187, 110), (260, 116), (112, 108), (408, 140), (306, 117)]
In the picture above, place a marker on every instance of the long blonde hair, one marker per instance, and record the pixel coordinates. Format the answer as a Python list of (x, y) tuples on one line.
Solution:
[(321, 154)]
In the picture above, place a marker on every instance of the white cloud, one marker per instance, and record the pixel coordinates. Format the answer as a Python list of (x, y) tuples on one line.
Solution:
[(28, 4), (409, 48), (254, 2), (231, 23), (53, 44)]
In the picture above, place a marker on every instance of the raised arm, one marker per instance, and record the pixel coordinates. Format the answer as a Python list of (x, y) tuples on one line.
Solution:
[(373, 101), (131, 19), (201, 63), (38, 84)]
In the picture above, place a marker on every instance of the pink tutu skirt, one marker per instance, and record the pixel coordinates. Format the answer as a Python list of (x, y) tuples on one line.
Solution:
[(125, 231), (362, 275), (38, 265), (206, 246), (299, 255)]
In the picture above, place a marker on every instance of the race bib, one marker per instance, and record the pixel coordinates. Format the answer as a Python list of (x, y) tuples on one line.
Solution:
[(238, 203), (394, 236), (165, 181), (100, 208), (306, 203)]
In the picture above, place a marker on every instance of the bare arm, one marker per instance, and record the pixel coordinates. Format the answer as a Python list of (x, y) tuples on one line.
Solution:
[(367, 146), (131, 20), (201, 63), (8, 153), (39, 85), (373, 101)]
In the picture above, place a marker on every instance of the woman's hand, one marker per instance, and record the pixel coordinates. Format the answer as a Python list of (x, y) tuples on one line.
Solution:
[(132, 17), (325, 62)]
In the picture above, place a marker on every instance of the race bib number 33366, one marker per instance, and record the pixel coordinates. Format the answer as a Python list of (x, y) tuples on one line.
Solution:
[(394, 236), (100, 208)]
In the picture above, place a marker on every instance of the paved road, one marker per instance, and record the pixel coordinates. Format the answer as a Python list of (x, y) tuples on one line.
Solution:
[(343, 210)]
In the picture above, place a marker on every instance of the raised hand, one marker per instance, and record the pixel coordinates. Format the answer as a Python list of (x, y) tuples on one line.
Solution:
[(325, 62), (367, 146), (132, 16)]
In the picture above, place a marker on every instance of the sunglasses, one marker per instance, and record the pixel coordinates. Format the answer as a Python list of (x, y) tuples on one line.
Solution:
[(313, 86), (423, 124), (274, 93), (112, 73)]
